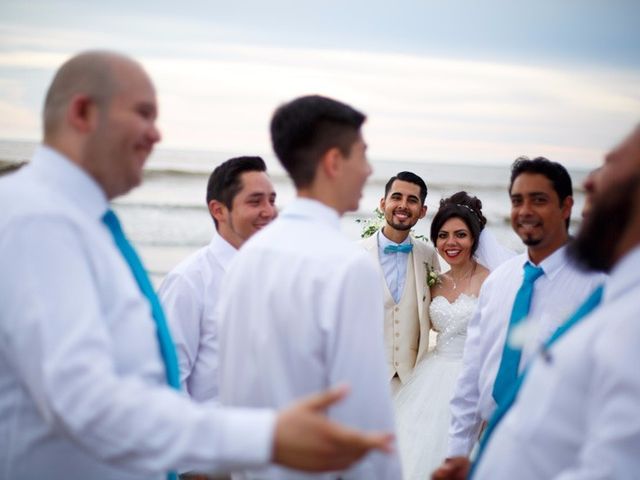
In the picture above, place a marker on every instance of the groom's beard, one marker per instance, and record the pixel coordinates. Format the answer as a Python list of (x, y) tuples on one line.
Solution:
[(596, 243)]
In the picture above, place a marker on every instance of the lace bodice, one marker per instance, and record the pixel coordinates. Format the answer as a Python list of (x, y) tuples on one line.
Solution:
[(450, 321)]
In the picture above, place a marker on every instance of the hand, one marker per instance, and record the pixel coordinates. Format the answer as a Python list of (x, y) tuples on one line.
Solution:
[(454, 468), (305, 439)]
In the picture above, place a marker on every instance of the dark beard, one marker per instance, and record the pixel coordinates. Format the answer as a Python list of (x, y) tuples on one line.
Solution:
[(400, 227), (595, 245), (531, 242)]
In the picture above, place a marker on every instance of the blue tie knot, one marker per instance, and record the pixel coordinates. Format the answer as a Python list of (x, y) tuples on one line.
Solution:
[(532, 273), (111, 220), (402, 248)]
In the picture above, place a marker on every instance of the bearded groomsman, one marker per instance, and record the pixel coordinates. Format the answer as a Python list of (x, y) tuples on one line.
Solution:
[(405, 265)]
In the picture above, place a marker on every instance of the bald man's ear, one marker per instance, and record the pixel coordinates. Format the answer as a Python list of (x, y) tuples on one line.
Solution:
[(82, 113)]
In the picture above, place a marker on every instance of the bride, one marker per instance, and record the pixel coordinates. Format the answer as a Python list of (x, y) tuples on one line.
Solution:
[(422, 405)]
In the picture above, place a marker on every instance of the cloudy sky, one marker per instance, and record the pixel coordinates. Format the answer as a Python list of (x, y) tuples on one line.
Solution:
[(441, 81)]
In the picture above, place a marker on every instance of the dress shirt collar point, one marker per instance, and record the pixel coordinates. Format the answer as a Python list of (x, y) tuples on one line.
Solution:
[(553, 263), (72, 181), (222, 249)]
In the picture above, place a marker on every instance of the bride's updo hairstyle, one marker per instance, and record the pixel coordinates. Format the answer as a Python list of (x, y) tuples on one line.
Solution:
[(465, 207)]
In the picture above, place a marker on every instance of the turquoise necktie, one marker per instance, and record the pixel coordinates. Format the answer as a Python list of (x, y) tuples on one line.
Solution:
[(167, 348), (508, 371), (587, 307), (402, 248)]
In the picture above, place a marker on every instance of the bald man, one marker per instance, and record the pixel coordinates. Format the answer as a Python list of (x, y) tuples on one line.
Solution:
[(85, 353)]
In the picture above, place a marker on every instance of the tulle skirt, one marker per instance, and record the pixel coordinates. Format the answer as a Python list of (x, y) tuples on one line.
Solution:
[(422, 414)]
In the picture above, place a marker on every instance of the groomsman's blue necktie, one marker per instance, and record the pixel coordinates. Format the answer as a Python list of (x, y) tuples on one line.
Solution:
[(508, 371), (167, 348), (587, 307), (402, 248)]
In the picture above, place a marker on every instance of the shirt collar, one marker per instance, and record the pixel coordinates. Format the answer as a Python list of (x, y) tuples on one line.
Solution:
[(553, 263), (222, 250), (69, 180), (624, 276), (385, 242), (310, 208)]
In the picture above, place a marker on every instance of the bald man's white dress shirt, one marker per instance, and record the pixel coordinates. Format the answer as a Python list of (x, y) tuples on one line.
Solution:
[(82, 383)]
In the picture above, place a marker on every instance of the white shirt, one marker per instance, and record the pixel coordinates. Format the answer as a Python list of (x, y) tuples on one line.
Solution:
[(577, 414), (301, 310), (189, 295), (82, 382), (394, 265), (556, 295)]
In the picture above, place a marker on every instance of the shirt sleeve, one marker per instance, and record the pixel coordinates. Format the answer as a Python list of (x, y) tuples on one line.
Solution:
[(183, 310), (356, 357), (466, 421), (612, 437), (55, 338)]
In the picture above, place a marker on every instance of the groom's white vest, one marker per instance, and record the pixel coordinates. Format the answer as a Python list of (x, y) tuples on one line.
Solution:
[(406, 324)]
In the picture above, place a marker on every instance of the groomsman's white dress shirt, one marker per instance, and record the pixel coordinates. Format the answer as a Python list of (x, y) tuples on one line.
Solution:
[(577, 413), (556, 295), (189, 295), (83, 392), (301, 310)]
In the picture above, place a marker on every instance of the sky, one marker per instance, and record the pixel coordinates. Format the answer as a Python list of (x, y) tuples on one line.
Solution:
[(456, 82)]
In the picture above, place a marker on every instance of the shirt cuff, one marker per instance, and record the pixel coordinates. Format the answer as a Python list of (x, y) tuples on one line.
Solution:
[(458, 448), (254, 430)]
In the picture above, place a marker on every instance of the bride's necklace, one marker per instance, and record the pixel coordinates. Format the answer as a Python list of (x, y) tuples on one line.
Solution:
[(467, 275)]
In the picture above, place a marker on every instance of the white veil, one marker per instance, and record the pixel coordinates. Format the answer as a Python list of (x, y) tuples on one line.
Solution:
[(491, 253)]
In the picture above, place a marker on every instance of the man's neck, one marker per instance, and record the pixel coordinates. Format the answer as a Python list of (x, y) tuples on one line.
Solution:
[(396, 236), (538, 255), (319, 196)]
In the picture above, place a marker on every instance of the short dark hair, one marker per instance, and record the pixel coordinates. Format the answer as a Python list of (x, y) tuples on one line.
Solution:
[(306, 128), (556, 173), (465, 207), (224, 182), (411, 178)]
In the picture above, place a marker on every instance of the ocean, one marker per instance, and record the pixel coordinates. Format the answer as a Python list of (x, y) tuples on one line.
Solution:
[(167, 219)]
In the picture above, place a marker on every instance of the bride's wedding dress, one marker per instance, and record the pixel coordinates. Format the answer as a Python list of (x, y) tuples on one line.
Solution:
[(422, 405)]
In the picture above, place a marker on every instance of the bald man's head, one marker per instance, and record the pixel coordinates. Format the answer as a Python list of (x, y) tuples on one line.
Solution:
[(89, 73), (100, 113)]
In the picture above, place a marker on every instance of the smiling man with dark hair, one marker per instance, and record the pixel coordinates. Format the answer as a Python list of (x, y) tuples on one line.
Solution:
[(405, 264), (241, 201)]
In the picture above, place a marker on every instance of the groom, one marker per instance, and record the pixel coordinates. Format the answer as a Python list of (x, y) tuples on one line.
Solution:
[(405, 264)]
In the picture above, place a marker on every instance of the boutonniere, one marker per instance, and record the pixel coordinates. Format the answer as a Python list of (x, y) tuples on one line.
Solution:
[(432, 275)]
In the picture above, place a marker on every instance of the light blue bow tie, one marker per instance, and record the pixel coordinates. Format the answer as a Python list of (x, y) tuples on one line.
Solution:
[(402, 248)]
